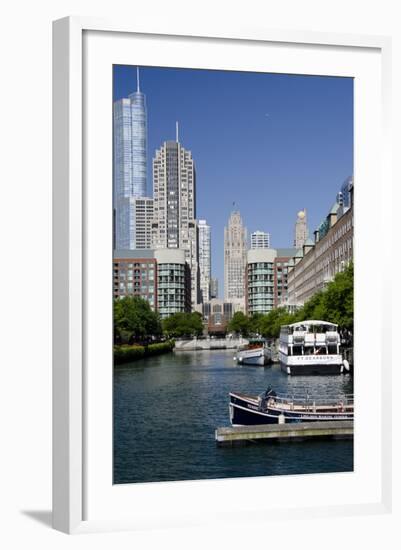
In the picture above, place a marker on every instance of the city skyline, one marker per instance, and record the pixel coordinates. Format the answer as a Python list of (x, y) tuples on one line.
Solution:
[(280, 136)]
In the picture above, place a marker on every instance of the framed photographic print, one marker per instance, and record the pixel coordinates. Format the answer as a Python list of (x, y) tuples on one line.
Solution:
[(218, 307)]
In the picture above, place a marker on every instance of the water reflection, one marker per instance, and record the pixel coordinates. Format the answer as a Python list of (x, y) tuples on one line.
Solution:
[(166, 409)]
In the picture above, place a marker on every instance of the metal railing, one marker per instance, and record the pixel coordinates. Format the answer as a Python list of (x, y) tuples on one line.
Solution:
[(310, 402)]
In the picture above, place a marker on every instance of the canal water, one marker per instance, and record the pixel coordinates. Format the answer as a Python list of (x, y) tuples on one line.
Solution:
[(166, 409)]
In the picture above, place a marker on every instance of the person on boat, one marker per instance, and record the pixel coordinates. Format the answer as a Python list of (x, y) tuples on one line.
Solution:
[(265, 397), (270, 392)]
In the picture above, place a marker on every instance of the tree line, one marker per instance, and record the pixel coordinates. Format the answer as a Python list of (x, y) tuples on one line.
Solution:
[(136, 323)]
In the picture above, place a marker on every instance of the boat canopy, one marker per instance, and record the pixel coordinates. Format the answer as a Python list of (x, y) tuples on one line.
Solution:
[(309, 326), (313, 322)]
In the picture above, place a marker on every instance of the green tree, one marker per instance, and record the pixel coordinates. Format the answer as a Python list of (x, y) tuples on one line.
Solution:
[(196, 323), (239, 324), (134, 320), (313, 309), (334, 304), (255, 323), (338, 299), (182, 324), (271, 323)]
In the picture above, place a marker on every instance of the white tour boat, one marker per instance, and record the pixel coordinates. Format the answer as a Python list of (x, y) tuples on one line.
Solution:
[(311, 347), (254, 354)]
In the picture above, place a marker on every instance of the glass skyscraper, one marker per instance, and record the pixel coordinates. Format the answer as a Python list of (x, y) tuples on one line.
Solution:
[(130, 158)]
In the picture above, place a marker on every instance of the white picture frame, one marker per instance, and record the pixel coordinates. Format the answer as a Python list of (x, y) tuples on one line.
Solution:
[(74, 477)]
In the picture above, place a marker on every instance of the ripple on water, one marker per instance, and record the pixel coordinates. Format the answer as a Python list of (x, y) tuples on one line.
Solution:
[(167, 408)]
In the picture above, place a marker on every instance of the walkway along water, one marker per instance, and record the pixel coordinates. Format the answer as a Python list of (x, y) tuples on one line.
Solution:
[(195, 344)]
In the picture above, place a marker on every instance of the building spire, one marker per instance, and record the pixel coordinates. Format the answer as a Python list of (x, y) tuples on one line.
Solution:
[(176, 131), (137, 80)]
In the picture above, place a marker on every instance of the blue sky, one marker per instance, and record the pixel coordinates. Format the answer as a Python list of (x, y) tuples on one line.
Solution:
[(271, 143)]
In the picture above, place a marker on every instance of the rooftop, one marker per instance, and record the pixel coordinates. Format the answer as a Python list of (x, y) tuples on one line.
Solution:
[(138, 253)]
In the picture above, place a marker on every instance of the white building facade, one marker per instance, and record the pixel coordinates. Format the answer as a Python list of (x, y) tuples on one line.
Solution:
[(143, 217), (260, 239), (204, 259)]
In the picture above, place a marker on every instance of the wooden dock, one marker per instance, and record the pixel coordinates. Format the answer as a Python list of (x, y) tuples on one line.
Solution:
[(233, 435)]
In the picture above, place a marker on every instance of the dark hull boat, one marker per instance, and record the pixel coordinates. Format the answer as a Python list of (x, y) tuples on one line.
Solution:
[(269, 408)]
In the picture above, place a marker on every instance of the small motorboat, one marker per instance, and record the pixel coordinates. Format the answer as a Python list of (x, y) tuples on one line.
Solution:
[(255, 353)]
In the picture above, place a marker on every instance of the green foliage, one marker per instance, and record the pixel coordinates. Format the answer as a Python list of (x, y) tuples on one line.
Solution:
[(338, 299), (335, 304), (134, 320), (312, 309), (255, 323), (128, 354), (161, 347), (182, 324), (239, 324), (271, 323)]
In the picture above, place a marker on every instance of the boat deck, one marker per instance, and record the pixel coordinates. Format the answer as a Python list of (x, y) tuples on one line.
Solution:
[(281, 404)]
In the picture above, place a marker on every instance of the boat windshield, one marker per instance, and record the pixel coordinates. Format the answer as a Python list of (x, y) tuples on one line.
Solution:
[(312, 329)]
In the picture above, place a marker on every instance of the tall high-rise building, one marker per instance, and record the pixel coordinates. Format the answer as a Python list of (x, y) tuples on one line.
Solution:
[(235, 249), (259, 281), (214, 288), (129, 167), (174, 193), (301, 229), (173, 282), (266, 280), (204, 259), (143, 210), (260, 239)]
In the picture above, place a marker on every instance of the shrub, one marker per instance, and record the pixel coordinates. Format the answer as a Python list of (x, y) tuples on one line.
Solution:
[(126, 354), (162, 347)]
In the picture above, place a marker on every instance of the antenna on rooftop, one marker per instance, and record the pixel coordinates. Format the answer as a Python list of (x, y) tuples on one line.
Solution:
[(176, 131), (137, 80)]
